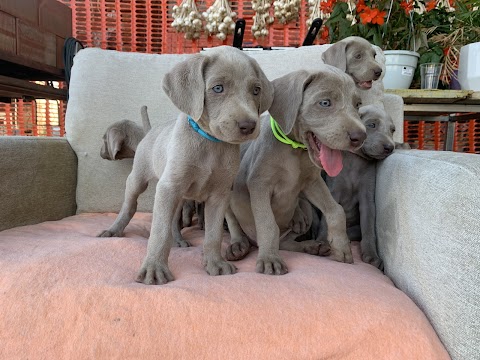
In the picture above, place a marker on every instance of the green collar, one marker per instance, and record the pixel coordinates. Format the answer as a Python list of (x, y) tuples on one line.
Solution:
[(279, 134)]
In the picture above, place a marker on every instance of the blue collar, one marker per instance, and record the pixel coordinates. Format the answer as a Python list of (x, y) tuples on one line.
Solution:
[(197, 128)]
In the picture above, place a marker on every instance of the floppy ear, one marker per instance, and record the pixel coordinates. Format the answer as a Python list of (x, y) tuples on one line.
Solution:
[(115, 140), (288, 98), (266, 95), (336, 55), (185, 86)]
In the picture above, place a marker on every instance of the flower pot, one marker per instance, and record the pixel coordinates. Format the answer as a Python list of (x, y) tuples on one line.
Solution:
[(400, 68), (469, 67)]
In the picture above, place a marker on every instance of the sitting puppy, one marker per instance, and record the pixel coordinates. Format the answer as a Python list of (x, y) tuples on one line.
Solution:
[(356, 57), (121, 139), (354, 186), (314, 116), (221, 95)]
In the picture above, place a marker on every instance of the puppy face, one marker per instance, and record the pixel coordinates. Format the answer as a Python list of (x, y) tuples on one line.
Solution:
[(356, 57), (380, 128), (321, 110), (226, 95)]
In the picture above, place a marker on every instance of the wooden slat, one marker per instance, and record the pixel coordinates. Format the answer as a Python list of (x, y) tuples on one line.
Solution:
[(55, 17), (417, 96), (23, 9), (7, 32), (27, 68), (10, 87), (35, 44)]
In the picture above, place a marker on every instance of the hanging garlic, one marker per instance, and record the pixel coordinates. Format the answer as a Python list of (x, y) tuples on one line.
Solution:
[(286, 10), (262, 18), (187, 19), (219, 19)]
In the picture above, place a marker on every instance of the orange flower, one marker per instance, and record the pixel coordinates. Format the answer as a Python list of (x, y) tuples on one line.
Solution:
[(327, 6), (373, 16), (430, 5), (361, 6), (407, 6)]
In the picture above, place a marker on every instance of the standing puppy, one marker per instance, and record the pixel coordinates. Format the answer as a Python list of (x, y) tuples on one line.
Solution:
[(315, 115), (221, 95), (354, 187)]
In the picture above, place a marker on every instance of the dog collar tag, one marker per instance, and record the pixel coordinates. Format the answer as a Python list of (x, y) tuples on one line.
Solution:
[(279, 134), (197, 128)]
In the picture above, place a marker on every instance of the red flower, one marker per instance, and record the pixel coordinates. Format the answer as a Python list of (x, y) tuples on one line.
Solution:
[(446, 51), (327, 6), (373, 16), (361, 6), (407, 5), (430, 5)]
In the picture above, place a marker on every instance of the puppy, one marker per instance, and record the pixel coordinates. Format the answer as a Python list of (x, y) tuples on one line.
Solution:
[(121, 139), (317, 116), (355, 56), (221, 95), (354, 186)]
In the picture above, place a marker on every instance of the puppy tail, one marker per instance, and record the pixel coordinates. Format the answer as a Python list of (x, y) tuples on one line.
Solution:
[(145, 119)]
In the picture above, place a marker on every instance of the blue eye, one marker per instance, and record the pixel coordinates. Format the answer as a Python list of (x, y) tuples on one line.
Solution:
[(256, 90), (218, 89), (371, 125), (325, 103)]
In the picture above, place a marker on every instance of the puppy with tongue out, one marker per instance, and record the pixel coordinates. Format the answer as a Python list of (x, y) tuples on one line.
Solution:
[(314, 116)]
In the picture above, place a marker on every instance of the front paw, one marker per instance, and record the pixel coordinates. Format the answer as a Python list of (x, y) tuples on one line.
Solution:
[(181, 243), (341, 253), (314, 247), (373, 260), (219, 267), (271, 265), (154, 273), (238, 250), (110, 233)]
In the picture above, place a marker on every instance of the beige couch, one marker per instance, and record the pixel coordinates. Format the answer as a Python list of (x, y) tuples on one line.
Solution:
[(67, 294)]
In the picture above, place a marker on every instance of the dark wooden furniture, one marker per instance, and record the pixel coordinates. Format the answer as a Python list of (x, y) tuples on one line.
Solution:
[(32, 34)]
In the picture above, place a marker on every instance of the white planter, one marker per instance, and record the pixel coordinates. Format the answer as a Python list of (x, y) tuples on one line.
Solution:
[(469, 67), (400, 67)]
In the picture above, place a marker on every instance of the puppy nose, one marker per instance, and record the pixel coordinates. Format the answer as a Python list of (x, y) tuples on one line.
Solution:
[(378, 72), (388, 148), (247, 127), (357, 138)]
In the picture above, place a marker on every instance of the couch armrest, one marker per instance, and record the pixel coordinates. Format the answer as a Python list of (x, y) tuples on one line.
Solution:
[(38, 180), (428, 227)]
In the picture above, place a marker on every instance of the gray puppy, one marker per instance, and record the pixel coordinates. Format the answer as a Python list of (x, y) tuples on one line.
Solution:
[(354, 186), (121, 139), (319, 110), (221, 95)]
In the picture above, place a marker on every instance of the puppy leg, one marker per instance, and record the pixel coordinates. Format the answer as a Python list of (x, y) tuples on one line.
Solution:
[(319, 194), (269, 260), (188, 209), (177, 226), (215, 208), (368, 244), (239, 245), (154, 270), (311, 247), (136, 184)]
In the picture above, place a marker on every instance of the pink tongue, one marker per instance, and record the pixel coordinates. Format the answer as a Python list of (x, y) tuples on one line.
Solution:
[(365, 84), (331, 160)]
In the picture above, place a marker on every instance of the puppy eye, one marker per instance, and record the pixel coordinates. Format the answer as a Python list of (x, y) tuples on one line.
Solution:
[(218, 89), (358, 56), (325, 103), (256, 90), (371, 125)]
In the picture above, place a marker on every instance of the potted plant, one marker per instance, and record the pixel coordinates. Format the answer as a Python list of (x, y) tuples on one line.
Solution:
[(433, 29)]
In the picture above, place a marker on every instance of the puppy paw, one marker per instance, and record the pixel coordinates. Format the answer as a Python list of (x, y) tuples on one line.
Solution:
[(219, 267), (110, 233), (343, 254), (373, 260), (313, 247), (181, 243), (271, 265), (238, 250), (154, 273)]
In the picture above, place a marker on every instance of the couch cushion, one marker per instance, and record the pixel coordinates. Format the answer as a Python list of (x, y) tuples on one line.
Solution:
[(428, 213), (109, 86), (67, 294)]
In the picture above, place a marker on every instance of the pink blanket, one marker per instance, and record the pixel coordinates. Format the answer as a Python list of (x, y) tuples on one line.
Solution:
[(66, 294)]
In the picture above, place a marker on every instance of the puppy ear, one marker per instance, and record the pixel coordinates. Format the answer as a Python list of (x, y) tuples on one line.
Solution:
[(336, 55), (266, 95), (288, 98), (185, 86), (115, 140)]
